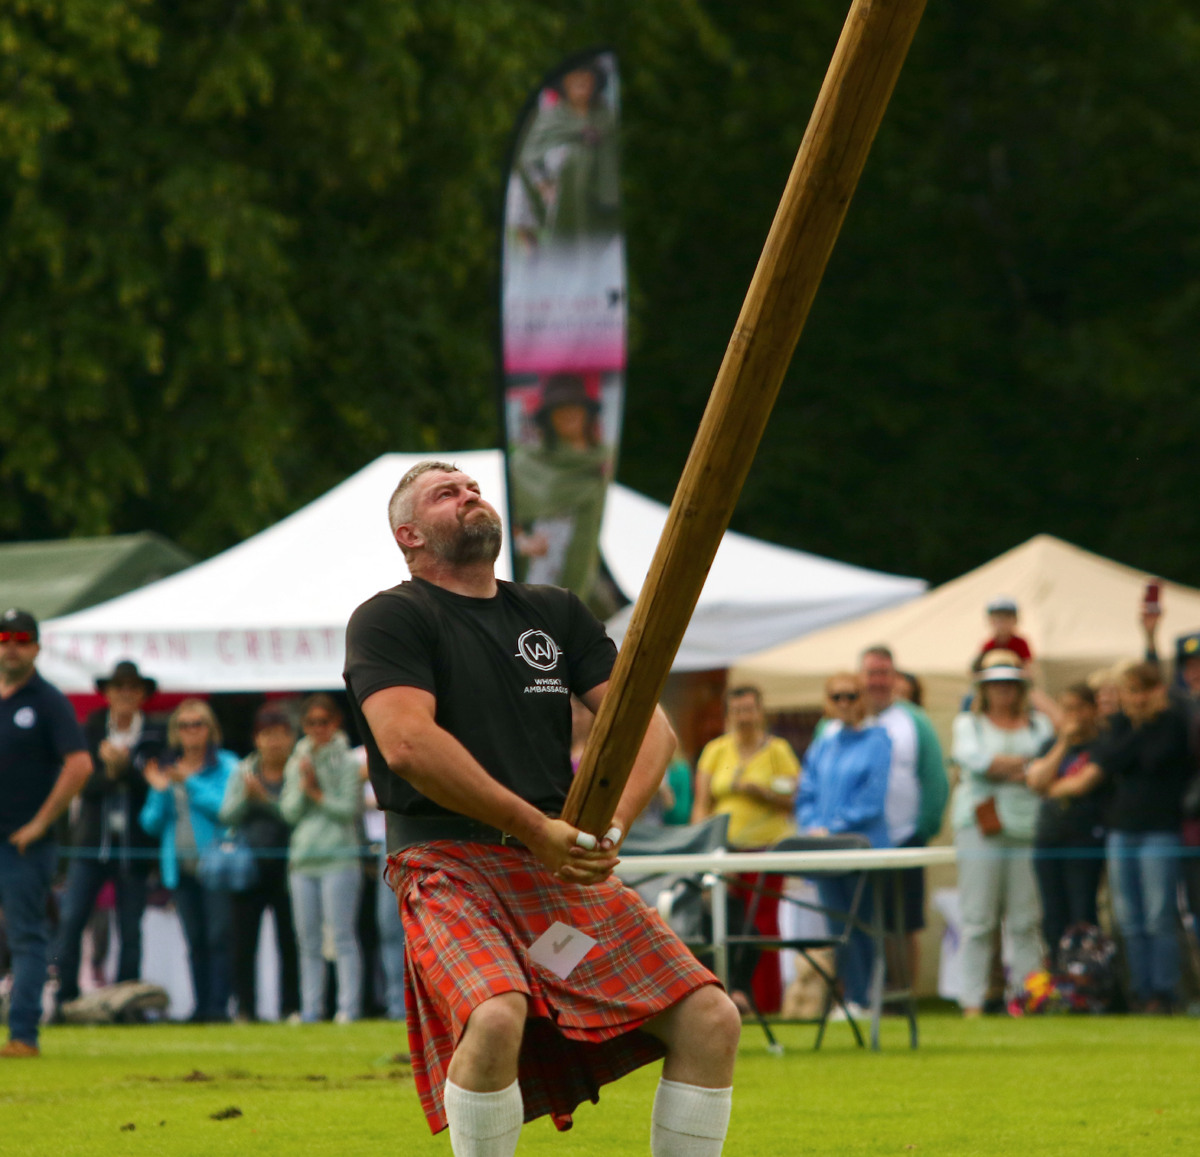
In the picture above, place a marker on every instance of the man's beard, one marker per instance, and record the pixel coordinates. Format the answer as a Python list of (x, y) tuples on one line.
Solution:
[(16, 670), (475, 540)]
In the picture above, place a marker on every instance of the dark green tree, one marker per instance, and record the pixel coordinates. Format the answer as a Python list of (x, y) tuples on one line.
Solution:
[(247, 245), (1003, 341)]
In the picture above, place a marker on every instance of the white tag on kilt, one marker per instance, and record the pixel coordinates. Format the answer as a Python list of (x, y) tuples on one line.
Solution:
[(560, 948)]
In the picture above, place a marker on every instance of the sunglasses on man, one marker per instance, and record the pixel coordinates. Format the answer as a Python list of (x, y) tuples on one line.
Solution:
[(24, 637)]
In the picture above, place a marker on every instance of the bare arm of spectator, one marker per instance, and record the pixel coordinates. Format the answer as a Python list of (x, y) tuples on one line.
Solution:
[(1081, 783), (782, 801), (974, 755), (1042, 772), (115, 760), (1047, 705), (1006, 769), (1150, 621), (702, 806)]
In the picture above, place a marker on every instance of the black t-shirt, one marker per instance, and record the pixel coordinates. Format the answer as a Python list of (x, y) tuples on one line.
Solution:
[(1077, 820), (1149, 766), (38, 730), (501, 670)]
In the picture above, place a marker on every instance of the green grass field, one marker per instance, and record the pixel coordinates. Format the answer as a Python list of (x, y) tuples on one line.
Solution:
[(1017, 1088)]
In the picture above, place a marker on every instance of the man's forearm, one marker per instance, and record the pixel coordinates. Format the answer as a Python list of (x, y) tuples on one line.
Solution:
[(443, 770)]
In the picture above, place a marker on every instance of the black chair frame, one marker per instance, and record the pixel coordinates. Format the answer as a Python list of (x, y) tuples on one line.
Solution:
[(807, 947)]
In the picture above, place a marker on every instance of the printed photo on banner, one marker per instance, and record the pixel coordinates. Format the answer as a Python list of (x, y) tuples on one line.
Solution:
[(564, 325)]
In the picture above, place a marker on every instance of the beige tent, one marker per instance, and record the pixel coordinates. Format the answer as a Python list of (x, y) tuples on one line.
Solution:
[(1079, 612)]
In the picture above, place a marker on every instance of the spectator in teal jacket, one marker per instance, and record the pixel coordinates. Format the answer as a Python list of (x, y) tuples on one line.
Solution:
[(187, 786)]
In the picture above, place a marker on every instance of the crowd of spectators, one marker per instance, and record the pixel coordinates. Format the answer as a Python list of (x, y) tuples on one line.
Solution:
[(1055, 797), (1052, 799), (162, 809)]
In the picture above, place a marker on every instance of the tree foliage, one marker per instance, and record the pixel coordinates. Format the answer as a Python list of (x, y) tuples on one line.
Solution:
[(246, 245), (1004, 340)]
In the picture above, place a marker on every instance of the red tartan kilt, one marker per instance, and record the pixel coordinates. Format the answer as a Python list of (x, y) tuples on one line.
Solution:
[(470, 913)]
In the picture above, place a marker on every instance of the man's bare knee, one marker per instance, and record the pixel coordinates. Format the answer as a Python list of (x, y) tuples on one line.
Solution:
[(701, 1033), (488, 1051), (714, 1018), (499, 1018)]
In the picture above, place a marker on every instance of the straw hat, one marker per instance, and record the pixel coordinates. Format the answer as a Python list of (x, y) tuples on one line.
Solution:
[(1001, 666)]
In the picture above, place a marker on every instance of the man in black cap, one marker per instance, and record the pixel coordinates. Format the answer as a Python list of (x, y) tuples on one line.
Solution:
[(109, 842), (43, 764)]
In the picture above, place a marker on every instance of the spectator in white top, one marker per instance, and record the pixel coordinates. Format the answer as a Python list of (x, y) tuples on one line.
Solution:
[(917, 786), (904, 793)]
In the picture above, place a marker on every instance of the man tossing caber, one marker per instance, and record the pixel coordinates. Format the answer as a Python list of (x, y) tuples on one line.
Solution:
[(460, 685)]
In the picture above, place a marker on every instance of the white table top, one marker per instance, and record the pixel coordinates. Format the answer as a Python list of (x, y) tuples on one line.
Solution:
[(869, 859)]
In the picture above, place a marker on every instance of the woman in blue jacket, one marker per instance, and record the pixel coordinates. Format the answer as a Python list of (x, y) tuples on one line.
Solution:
[(844, 789), (187, 787)]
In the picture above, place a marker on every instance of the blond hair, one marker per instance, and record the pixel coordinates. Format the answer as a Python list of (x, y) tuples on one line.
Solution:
[(844, 677), (200, 708)]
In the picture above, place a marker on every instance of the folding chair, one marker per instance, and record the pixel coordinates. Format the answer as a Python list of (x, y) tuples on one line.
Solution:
[(678, 899), (808, 947)]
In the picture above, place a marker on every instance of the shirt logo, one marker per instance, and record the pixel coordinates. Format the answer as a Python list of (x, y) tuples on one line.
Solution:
[(538, 650), (25, 717)]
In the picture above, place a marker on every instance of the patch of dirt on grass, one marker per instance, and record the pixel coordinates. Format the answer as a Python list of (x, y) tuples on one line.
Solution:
[(196, 1077)]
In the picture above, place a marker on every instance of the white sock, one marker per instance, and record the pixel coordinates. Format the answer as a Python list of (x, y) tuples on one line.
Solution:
[(483, 1124), (689, 1121)]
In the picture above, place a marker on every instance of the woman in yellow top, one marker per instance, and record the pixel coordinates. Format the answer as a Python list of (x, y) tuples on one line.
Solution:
[(752, 776), (748, 774)]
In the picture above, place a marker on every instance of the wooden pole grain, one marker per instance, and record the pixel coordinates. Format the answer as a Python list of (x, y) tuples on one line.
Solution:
[(853, 97)]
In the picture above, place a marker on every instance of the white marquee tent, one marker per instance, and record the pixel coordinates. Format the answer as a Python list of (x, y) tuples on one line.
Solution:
[(757, 594), (269, 614)]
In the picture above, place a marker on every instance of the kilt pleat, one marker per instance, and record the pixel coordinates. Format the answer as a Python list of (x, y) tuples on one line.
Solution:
[(470, 913)]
